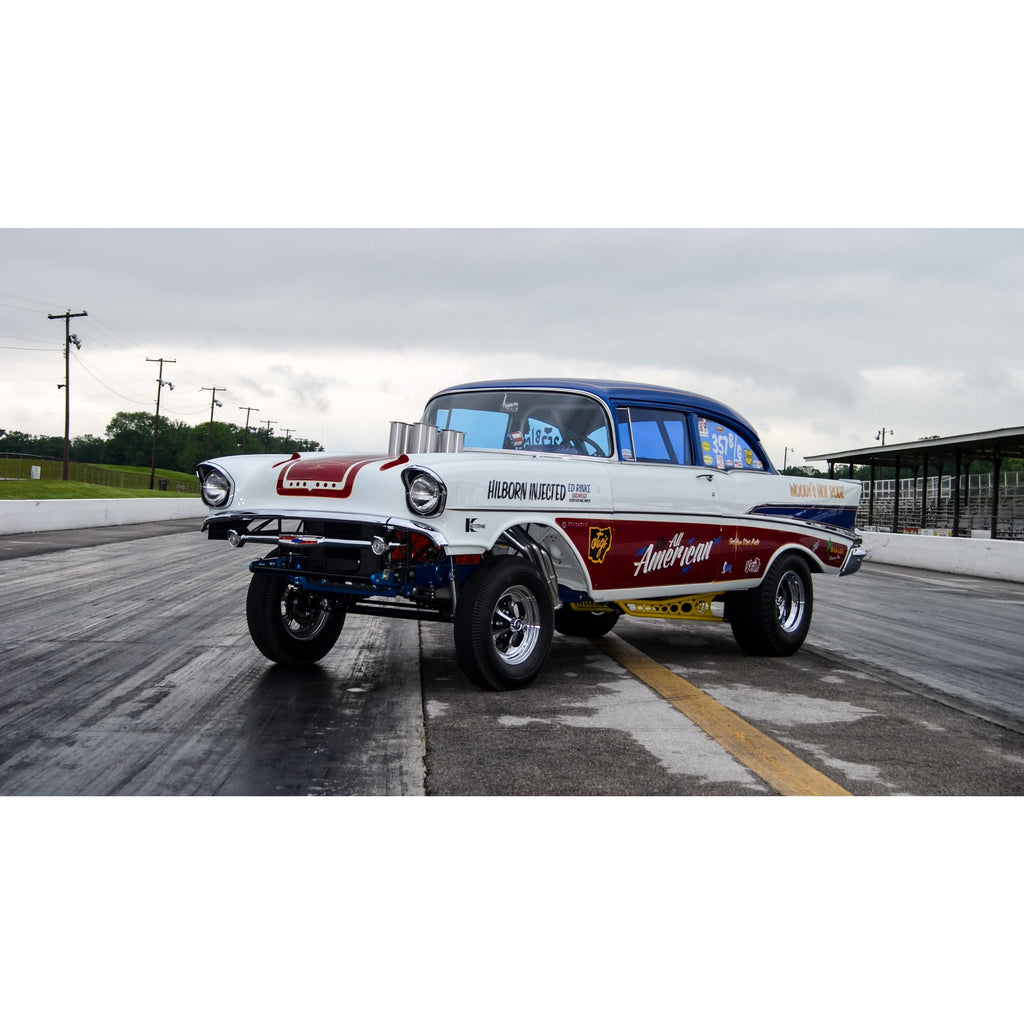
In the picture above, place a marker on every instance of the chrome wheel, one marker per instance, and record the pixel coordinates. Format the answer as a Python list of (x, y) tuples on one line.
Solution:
[(515, 625), (790, 600)]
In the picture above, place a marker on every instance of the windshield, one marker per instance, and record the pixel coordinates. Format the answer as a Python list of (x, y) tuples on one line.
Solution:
[(531, 421)]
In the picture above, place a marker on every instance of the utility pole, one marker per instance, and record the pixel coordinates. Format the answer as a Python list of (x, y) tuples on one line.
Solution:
[(213, 402), (785, 457), (880, 436), (288, 434), (248, 409), (69, 340), (266, 447), (160, 384)]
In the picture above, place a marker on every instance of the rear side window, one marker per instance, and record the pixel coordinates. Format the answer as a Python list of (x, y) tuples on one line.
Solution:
[(654, 435), (724, 448)]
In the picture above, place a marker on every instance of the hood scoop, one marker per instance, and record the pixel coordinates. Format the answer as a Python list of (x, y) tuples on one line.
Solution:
[(419, 438)]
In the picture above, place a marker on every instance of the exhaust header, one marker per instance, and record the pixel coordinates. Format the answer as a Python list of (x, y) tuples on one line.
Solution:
[(418, 438)]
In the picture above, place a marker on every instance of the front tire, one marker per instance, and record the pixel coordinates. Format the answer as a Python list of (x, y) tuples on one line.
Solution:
[(503, 624), (774, 617), (290, 625)]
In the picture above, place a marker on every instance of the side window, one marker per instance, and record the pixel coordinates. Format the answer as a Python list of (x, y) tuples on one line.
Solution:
[(723, 448), (654, 435)]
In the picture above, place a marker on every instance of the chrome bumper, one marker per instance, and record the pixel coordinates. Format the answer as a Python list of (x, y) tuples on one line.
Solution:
[(854, 557)]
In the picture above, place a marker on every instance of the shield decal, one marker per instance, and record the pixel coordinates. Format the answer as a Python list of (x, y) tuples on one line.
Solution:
[(600, 543)]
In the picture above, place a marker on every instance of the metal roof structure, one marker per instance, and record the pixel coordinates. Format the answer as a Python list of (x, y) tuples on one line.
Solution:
[(960, 450), (985, 446)]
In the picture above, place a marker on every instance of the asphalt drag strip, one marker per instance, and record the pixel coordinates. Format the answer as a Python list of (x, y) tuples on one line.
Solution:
[(782, 770), (589, 726)]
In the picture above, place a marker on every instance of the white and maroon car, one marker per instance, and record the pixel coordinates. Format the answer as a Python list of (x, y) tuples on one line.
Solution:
[(517, 508)]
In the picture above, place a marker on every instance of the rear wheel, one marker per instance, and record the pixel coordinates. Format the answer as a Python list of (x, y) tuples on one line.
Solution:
[(503, 624), (290, 625), (773, 618)]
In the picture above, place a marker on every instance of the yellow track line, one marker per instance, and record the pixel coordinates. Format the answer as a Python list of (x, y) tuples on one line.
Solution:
[(780, 768)]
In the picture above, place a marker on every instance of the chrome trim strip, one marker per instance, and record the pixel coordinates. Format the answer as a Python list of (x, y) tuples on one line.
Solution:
[(395, 522)]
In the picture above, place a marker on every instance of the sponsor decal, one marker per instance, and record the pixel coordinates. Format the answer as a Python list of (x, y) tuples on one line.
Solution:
[(473, 525), (677, 551), (743, 542), (753, 567), (817, 491), (506, 490), (520, 490), (600, 544), (579, 493)]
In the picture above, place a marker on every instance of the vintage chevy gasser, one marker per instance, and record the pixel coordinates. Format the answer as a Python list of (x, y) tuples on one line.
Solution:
[(516, 508)]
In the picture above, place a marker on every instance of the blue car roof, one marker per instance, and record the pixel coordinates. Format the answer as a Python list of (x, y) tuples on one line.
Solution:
[(616, 392)]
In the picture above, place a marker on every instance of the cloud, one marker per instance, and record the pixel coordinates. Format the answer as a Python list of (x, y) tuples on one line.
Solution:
[(819, 337)]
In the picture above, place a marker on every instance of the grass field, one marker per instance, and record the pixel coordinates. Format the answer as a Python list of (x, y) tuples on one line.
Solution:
[(88, 481), (45, 490)]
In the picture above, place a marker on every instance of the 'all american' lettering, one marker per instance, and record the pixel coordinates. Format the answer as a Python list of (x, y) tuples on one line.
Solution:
[(676, 553)]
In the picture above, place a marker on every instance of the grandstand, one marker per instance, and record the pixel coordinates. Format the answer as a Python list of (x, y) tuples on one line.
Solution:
[(956, 486)]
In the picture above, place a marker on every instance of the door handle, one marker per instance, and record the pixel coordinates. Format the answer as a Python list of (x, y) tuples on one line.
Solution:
[(705, 476)]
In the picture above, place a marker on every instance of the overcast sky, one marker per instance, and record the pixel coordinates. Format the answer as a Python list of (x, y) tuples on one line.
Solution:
[(708, 142), (819, 337)]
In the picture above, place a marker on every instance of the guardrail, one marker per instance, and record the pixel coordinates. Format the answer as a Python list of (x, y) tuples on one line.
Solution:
[(965, 556)]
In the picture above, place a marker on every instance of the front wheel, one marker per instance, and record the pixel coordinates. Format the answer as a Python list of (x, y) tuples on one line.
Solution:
[(503, 624), (288, 624), (773, 618)]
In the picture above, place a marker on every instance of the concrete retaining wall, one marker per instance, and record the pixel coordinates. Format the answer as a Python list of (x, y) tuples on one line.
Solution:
[(74, 514), (991, 559)]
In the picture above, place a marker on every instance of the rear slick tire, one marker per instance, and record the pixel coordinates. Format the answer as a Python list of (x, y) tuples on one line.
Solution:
[(773, 619)]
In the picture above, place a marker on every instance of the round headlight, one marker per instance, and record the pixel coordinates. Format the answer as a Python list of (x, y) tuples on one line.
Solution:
[(425, 494), (216, 488)]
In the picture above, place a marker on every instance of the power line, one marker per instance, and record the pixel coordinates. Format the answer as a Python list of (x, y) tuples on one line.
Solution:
[(103, 384)]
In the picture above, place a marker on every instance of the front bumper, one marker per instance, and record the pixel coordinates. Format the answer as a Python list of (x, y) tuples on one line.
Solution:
[(253, 526)]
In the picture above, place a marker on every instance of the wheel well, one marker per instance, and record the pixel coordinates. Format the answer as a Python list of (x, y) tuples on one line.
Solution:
[(802, 553), (566, 561)]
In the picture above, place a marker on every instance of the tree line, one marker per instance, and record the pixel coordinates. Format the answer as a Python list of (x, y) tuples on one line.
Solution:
[(128, 441)]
